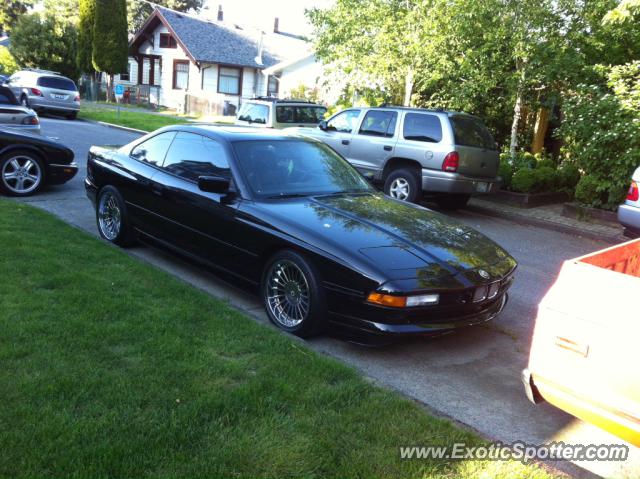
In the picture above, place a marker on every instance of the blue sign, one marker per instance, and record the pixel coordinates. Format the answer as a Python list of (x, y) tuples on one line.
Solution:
[(119, 90)]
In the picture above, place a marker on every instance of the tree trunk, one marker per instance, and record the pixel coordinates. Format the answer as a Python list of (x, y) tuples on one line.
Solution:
[(109, 87), (540, 130), (408, 88), (517, 113)]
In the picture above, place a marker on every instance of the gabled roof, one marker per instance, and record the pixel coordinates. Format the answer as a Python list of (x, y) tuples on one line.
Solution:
[(207, 41)]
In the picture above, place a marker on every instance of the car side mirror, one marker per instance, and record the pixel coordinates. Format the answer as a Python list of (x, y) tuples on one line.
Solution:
[(214, 184), (323, 125)]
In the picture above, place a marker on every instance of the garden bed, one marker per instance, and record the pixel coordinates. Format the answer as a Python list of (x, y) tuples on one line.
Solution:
[(527, 200), (585, 213)]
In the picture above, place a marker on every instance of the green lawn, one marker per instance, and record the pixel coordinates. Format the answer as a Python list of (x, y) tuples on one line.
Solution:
[(113, 368), (132, 119)]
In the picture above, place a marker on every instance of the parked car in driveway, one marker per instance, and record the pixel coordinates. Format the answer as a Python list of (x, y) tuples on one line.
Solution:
[(291, 217), (44, 90), (584, 350), (267, 112), (629, 211), (13, 115), (29, 162), (412, 151)]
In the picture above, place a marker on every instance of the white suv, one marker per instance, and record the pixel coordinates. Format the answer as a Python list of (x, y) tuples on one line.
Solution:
[(269, 112)]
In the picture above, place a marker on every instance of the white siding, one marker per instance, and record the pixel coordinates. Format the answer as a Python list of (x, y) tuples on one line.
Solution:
[(210, 79)]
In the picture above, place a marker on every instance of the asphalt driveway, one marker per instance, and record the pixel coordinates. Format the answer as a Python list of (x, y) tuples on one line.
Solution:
[(472, 376)]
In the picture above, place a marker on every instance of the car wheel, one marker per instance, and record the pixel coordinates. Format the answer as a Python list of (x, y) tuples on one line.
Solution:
[(292, 297), (72, 116), (112, 219), (452, 202), (403, 185), (24, 101), (22, 173)]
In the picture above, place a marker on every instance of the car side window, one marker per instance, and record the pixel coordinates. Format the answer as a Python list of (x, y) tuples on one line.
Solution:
[(154, 149), (379, 123), (192, 155), (344, 122), (422, 127), (254, 113)]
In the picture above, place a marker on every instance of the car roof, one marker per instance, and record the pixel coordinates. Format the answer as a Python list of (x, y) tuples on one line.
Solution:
[(233, 133), (414, 109), (281, 101)]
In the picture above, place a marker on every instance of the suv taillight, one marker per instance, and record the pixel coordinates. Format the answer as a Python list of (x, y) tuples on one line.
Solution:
[(450, 162), (77, 98), (634, 193), (36, 92)]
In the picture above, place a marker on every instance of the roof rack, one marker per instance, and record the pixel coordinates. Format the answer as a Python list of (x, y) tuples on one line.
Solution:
[(38, 70), (282, 100), (389, 105)]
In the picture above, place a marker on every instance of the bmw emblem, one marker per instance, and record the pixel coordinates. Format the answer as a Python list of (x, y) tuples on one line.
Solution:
[(483, 273)]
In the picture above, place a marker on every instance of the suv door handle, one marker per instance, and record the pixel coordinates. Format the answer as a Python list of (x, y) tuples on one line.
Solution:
[(387, 148), (345, 142)]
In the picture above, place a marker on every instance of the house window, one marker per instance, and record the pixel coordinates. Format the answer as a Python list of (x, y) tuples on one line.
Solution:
[(167, 41), (229, 80), (272, 85), (126, 76), (180, 74)]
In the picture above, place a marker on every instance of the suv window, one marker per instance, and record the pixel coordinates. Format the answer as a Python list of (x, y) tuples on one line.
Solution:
[(154, 149), (58, 83), (379, 123), (344, 122), (254, 113), (470, 131), (7, 97), (421, 127), (192, 155), (300, 114)]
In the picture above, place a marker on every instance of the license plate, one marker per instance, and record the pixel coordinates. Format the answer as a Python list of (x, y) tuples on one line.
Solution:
[(482, 187), (59, 97)]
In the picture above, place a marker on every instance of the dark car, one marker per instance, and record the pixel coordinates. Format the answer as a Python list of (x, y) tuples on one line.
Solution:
[(291, 217), (29, 162)]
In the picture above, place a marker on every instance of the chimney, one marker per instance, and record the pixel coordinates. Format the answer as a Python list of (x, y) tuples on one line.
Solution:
[(276, 25), (220, 13)]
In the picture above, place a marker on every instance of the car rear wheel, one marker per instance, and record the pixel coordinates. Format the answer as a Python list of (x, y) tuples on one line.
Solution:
[(452, 202), (72, 115), (403, 184), (22, 173), (24, 101), (112, 219), (292, 296)]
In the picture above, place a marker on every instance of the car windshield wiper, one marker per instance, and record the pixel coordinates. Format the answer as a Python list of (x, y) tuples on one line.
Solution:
[(287, 195), (345, 192)]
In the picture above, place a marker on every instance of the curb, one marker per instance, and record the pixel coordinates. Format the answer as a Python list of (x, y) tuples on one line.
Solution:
[(561, 228), (114, 126)]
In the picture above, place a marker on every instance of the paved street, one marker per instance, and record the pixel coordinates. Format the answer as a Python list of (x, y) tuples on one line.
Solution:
[(471, 376)]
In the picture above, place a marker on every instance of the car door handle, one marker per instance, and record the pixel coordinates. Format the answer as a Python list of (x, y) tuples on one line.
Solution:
[(387, 148), (345, 142), (157, 189)]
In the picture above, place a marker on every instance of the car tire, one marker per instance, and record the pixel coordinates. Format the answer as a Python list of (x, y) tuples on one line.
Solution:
[(112, 218), (72, 116), (404, 185), (22, 173), (292, 296), (452, 202), (24, 101)]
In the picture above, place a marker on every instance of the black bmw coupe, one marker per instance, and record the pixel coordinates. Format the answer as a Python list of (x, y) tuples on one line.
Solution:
[(290, 216)]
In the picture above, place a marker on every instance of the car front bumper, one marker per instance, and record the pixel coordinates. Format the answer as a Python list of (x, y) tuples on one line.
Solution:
[(434, 181), (58, 174), (629, 216), (91, 190)]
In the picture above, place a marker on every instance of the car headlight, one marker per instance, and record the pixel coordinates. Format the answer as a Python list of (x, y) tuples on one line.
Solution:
[(403, 301)]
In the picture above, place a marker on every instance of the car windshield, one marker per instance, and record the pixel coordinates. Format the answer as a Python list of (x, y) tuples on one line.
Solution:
[(286, 168), (59, 83), (470, 131)]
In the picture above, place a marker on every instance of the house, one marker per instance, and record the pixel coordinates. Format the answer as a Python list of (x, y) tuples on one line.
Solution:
[(185, 61)]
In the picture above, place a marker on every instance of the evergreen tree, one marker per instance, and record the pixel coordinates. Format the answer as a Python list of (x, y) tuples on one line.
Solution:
[(110, 42)]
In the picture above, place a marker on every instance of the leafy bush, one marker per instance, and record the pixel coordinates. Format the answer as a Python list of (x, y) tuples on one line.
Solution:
[(569, 176), (524, 180), (8, 64), (547, 179), (505, 171), (588, 191)]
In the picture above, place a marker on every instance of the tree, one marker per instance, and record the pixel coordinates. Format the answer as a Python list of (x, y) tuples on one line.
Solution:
[(110, 43), (138, 11), (86, 20), (43, 41), (11, 11), (8, 64), (63, 9)]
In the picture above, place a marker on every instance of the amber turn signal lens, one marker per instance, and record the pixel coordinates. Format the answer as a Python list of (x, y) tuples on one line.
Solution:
[(387, 300)]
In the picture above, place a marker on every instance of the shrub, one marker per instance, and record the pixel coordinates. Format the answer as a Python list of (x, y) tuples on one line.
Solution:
[(505, 171), (524, 160), (588, 191), (524, 180), (546, 163), (569, 176), (547, 179)]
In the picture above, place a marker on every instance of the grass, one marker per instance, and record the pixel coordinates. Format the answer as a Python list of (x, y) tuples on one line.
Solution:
[(113, 368), (132, 119)]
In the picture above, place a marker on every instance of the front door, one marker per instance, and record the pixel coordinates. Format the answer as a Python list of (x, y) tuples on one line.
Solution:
[(339, 131), (374, 141)]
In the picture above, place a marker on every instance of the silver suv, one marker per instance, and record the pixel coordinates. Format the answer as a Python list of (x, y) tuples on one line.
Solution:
[(268, 112), (446, 155), (44, 90)]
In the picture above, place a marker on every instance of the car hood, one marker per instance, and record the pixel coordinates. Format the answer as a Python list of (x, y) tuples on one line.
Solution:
[(398, 239)]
